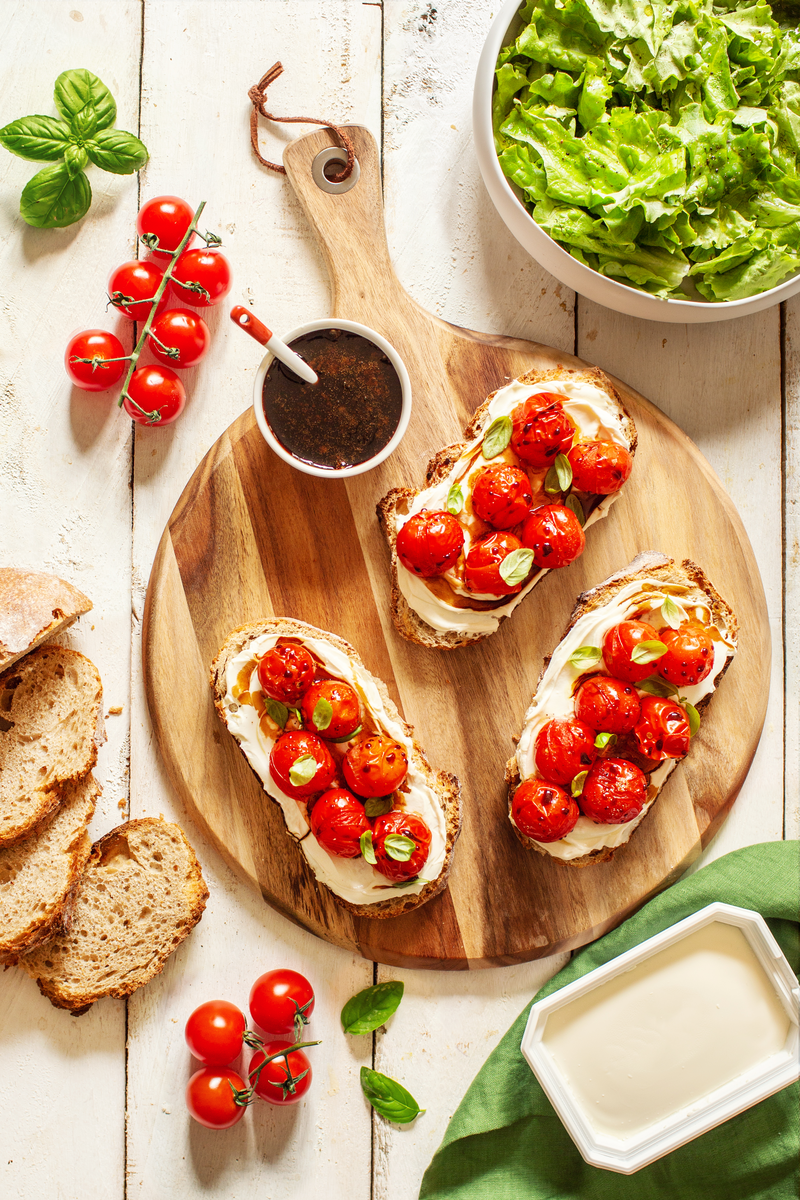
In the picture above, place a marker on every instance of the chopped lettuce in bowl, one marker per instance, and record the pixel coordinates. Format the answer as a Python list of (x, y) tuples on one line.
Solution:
[(658, 141)]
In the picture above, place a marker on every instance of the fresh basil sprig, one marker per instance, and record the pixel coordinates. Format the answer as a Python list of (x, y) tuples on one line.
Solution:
[(372, 1008), (647, 652), (559, 477), (302, 770), (322, 714), (572, 502), (277, 711), (61, 194), (673, 613), (376, 806), (388, 1097), (516, 566), (367, 848), (455, 500), (399, 847), (497, 437), (586, 657)]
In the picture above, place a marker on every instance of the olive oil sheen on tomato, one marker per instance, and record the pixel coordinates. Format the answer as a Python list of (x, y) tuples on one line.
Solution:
[(349, 415)]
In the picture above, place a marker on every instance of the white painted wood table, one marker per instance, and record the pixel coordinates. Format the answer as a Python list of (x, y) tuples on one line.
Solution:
[(93, 1108)]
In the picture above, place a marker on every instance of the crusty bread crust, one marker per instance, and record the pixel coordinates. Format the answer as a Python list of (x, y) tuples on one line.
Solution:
[(649, 565), (33, 607), (407, 622), (445, 786)]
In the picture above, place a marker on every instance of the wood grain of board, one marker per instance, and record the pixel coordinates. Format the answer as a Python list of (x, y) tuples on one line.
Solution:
[(251, 537)]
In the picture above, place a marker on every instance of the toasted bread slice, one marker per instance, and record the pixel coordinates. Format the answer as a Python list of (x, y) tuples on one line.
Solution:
[(50, 728), (141, 895), (39, 875), (33, 607), (443, 786), (678, 580), (410, 623)]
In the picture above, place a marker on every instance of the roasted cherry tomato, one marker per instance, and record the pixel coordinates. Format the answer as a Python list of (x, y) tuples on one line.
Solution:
[(398, 823), (108, 360), (133, 285), (304, 757), (375, 766), (662, 730), (501, 496), (166, 218), (541, 430), (554, 534), (599, 467), (281, 1001), (209, 270), (182, 331), (214, 1032), (614, 791), (564, 748), (286, 673), (607, 704), (331, 709), (482, 565), (285, 1080), (690, 654), (211, 1101), (155, 396), (429, 543), (618, 646), (543, 811), (338, 821)]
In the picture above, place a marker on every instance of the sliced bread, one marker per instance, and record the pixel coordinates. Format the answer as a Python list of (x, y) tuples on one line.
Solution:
[(33, 607), (39, 875), (141, 895), (50, 728)]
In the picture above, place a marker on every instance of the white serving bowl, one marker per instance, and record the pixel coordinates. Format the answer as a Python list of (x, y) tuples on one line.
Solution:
[(560, 262), (405, 411)]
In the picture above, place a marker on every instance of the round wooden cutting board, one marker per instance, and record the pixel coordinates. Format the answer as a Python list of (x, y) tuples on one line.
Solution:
[(251, 537)]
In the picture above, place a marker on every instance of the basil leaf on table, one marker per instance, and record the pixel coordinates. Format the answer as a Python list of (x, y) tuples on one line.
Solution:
[(52, 199), (75, 159), (388, 1097), (116, 151), (76, 89), (41, 139), (372, 1008)]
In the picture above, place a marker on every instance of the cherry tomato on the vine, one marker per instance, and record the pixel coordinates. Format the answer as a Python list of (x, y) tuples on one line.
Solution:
[(618, 646), (614, 791), (209, 269), (100, 347), (166, 218), (183, 332), (156, 396), (214, 1032), (543, 811), (211, 1101), (375, 766), (662, 730), (482, 565), (554, 534), (400, 824), (279, 999), (307, 758), (429, 543), (132, 287), (541, 430), (285, 1080), (501, 496), (564, 747), (285, 672), (337, 822), (331, 708), (599, 467), (607, 704), (690, 654)]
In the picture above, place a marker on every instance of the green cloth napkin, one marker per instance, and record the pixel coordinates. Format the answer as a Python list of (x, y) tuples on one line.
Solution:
[(505, 1141)]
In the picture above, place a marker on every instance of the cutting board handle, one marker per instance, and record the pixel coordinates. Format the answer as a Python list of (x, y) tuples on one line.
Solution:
[(349, 225)]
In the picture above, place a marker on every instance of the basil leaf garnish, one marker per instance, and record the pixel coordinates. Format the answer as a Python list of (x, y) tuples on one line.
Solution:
[(655, 686), (279, 712), (455, 500), (604, 740), (367, 849), (322, 714), (75, 89), (673, 613), (516, 566), (399, 847), (372, 1008), (692, 714), (559, 477), (302, 770), (388, 1097), (404, 883), (585, 657), (116, 151), (577, 784), (52, 199), (497, 437), (376, 806), (647, 652), (42, 139), (572, 502), (348, 737)]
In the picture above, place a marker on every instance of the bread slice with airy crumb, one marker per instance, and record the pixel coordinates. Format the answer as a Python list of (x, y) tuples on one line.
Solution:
[(39, 875), (648, 565), (141, 895), (445, 786), (408, 623), (34, 606), (50, 728)]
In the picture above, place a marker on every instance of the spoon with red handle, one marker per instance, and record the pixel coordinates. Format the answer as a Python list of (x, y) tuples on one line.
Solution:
[(242, 317)]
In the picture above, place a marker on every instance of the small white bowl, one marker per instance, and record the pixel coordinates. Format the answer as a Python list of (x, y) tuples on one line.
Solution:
[(405, 411), (559, 262)]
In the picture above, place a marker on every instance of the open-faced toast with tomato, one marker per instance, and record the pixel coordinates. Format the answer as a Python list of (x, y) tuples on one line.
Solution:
[(542, 459), (376, 824), (616, 707)]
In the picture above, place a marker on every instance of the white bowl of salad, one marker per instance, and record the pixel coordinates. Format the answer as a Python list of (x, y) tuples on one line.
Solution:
[(648, 155)]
